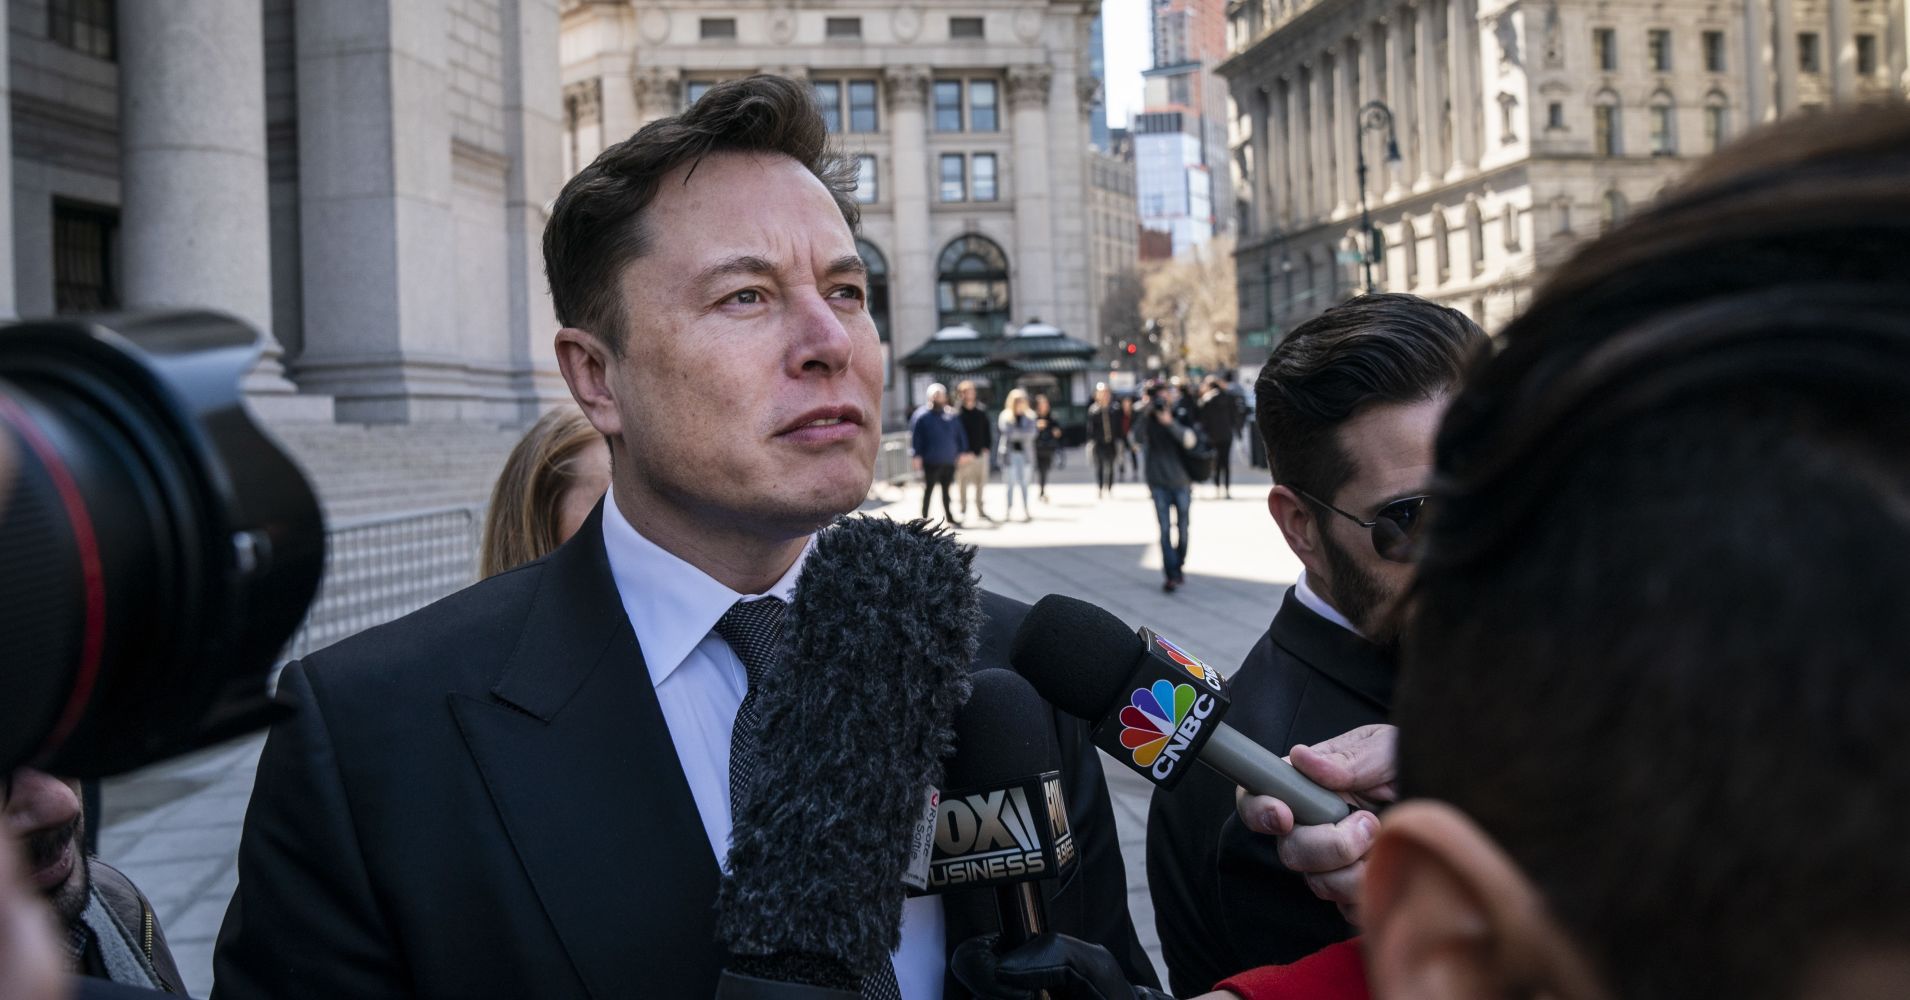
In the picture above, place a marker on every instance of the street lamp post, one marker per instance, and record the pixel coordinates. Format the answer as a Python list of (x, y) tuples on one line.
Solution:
[(1374, 117)]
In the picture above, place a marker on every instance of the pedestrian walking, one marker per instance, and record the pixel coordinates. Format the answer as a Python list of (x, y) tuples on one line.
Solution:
[(1105, 438), (1018, 432), (972, 474), (937, 445), (1220, 414), (1164, 439), (1047, 442), (1129, 466)]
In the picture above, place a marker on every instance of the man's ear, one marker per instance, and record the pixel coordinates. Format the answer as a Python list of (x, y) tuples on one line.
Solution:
[(1447, 915), (1300, 527), (586, 363)]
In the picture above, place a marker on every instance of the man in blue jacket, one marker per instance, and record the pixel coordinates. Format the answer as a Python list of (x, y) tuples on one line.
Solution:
[(938, 444)]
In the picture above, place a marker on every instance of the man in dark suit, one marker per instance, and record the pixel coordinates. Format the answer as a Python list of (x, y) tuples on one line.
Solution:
[(1348, 405), (522, 790)]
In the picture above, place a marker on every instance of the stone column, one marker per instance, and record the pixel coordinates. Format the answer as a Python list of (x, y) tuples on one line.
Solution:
[(1426, 89), (1898, 44), (1065, 132), (1292, 151), (1396, 95), (1033, 263), (912, 270), (1462, 36), (1785, 20), (1757, 62), (1262, 148), (659, 92), (532, 141), (1346, 128), (194, 213), (1320, 188), (1371, 147), (1841, 46)]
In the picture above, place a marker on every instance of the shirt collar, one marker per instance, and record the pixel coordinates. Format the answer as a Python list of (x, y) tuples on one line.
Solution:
[(1317, 604), (671, 604)]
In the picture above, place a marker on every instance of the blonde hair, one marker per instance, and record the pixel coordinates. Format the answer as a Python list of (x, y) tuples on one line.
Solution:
[(1008, 402), (522, 522)]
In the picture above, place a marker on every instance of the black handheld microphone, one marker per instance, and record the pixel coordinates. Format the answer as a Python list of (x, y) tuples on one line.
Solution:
[(1154, 706), (1003, 821), (853, 730)]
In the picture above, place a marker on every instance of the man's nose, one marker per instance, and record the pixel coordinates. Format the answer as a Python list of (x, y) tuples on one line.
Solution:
[(821, 340), (36, 799)]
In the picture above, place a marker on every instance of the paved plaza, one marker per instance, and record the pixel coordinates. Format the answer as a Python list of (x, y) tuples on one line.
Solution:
[(174, 828)]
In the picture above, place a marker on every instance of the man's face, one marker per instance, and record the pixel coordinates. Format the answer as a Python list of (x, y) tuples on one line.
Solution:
[(938, 399), (1102, 395), (1391, 450), (751, 377), (968, 396), (44, 814)]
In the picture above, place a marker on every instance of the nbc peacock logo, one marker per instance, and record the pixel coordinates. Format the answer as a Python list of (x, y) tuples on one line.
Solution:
[(1187, 660), (1152, 718)]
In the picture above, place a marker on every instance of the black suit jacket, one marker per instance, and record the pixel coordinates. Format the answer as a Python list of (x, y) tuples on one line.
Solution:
[(1222, 901), (482, 800)]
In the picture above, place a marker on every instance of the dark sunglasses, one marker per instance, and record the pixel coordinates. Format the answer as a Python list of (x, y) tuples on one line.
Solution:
[(1395, 527)]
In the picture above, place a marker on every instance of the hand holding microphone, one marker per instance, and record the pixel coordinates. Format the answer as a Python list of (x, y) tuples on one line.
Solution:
[(1359, 764)]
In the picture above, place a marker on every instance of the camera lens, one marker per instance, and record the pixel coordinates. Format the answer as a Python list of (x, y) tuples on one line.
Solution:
[(158, 548)]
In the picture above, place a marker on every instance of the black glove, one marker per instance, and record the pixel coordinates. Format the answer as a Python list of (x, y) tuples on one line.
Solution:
[(1065, 968)]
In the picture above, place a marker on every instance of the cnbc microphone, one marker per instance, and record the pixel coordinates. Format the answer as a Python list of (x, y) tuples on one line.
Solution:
[(852, 732), (1003, 822), (1154, 706)]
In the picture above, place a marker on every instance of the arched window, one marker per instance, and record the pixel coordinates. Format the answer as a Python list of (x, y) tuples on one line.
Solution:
[(1562, 215), (972, 287), (1664, 125), (878, 285), (1408, 255), (1442, 247), (1607, 127), (1476, 236), (1509, 226), (1612, 208), (1717, 120)]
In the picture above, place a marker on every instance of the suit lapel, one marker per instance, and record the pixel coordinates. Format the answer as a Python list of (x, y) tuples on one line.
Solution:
[(581, 768), (1349, 660)]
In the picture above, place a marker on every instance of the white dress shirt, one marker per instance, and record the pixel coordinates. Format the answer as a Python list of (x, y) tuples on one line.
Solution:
[(1317, 604), (673, 608)]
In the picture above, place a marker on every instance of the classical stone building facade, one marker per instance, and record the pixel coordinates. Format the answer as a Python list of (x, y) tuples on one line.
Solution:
[(365, 180), (970, 122), (1523, 127)]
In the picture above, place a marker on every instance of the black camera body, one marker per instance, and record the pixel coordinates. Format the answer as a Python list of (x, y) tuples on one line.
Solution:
[(157, 548)]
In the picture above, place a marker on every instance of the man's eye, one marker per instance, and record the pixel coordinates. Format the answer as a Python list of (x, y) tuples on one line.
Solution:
[(850, 292), (747, 297)]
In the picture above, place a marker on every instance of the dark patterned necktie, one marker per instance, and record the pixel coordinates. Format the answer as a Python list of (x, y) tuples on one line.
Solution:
[(754, 632)]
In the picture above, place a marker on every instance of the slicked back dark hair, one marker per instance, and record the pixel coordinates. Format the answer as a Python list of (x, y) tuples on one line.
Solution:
[(1366, 351), (597, 226), (1657, 646)]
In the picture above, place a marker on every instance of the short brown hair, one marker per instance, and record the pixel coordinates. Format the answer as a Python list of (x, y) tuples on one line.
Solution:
[(522, 522), (596, 227)]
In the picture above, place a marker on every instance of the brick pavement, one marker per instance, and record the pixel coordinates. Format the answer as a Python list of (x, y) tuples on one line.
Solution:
[(174, 828)]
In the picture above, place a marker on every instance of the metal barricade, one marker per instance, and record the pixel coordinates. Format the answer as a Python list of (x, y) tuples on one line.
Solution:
[(381, 568), (892, 462)]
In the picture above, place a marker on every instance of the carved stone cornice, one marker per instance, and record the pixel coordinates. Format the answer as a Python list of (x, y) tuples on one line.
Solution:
[(583, 101), (1090, 91), (1028, 85), (907, 86)]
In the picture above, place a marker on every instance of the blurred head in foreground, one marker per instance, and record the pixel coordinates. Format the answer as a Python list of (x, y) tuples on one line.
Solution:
[(1658, 672), (555, 475)]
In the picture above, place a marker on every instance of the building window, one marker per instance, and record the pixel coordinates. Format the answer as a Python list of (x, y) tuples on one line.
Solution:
[(1664, 128), (948, 105), (1714, 51), (1509, 227), (1717, 124), (1555, 116), (1476, 236), (842, 27), (972, 286), (964, 27), (862, 107), (1562, 216), (954, 184), (85, 258), (878, 297), (1605, 48), (715, 28), (982, 168), (1659, 41), (1442, 247), (1807, 57), (829, 100), (984, 104), (1866, 55), (1612, 209), (865, 180), (85, 26), (694, 91), (1605, 126)]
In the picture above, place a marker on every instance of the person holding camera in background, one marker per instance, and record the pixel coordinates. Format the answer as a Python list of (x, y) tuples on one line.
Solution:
[(1163, 439)]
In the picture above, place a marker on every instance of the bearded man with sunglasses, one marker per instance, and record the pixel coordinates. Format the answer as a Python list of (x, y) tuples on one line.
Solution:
[(1348, 405)]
